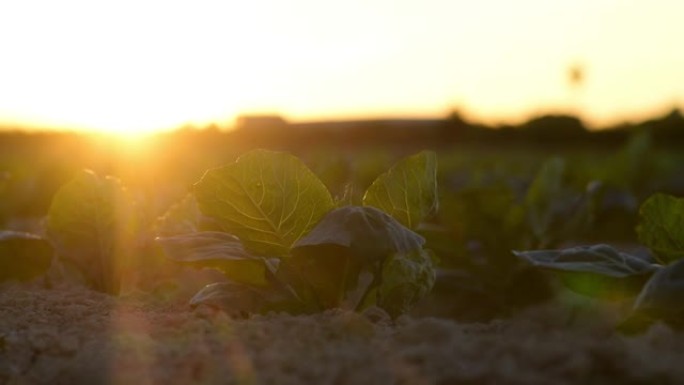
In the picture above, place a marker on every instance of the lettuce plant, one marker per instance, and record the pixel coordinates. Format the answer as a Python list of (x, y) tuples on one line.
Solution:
[(90, 231), (601, 271), (285, 245), (91, 224)]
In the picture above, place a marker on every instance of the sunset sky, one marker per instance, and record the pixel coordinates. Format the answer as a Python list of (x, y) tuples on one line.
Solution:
[(135, 65)]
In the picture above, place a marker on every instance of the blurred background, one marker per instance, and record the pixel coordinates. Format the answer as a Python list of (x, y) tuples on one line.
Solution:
[(143, 66)]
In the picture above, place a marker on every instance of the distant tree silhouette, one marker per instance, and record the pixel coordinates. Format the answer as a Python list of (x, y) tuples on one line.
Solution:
[(554, 128), (667, 129)]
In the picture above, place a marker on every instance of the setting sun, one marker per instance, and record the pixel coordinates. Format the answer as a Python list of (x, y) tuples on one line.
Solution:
[(132, 67)]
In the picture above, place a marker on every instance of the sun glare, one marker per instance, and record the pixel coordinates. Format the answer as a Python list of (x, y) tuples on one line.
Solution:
[(132, 67)]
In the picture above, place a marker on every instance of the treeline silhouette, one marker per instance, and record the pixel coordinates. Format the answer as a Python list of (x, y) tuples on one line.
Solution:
[(547, 130), (268, 130)]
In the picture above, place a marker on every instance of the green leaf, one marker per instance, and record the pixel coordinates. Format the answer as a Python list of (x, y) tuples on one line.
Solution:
[(555, 210), (368, 232), (267, 199), (547, 182), (342, 257), (330, 276), (597, 259), (597, 271), (92, 227), (408, 191), (217, 250), (406, 279), (23, 256), (542, 200), (661, 226)]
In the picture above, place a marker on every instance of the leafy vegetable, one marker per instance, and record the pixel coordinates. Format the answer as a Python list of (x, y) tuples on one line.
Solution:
[(365, 230), (661, 226), (327, 276), (597, 270), (554, 210), (349, 250), (597, 259), (23, 256), (267, 199), (286, 248), (547, 183), (408, 191), (219, 250), (406, 279), (91, 225)]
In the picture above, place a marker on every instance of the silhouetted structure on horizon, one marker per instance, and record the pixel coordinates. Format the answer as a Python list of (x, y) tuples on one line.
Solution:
[(547, 130), (274, 131)]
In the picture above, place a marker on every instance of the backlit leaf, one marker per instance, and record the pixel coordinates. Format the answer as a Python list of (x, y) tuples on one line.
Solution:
[(267, 199), (661, 226), (91, 224), (408, 190)]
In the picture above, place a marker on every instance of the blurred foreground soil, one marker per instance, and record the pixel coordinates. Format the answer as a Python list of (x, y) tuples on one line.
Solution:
[(72, 335)]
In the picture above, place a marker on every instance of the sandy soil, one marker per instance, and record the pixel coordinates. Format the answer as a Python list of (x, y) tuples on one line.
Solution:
[(72, 335)]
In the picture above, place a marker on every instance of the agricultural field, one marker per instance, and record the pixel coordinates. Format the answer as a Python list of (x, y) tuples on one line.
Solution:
[(197, 258)]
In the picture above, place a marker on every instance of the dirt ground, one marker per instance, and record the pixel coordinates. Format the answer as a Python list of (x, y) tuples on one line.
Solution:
[(72, 335)]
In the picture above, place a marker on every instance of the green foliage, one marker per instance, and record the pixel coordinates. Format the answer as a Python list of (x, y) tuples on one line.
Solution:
[(218, 250), (350, 241), (661, 226), (542, 195), (23, 256), (554, 209), (286, 248), (547, 183), (596, 259), (408, 190), (267, 199), (597, 271), (601, 271), (368, 232), (406, 278), (92, 226), (631, 166)]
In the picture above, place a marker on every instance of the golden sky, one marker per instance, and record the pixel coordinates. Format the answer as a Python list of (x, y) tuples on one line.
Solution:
[(136, 65)]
